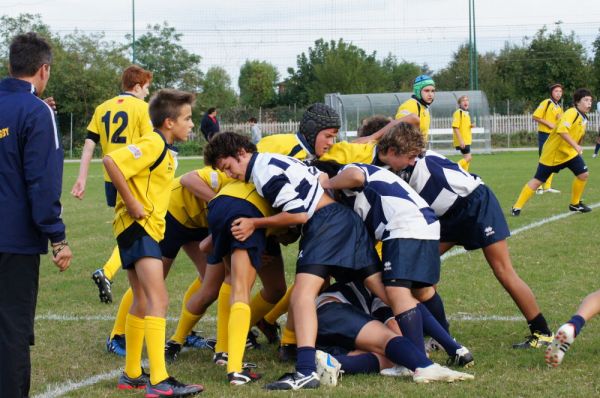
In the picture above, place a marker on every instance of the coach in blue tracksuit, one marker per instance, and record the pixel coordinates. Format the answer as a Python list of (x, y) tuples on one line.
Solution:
[(30, 185)]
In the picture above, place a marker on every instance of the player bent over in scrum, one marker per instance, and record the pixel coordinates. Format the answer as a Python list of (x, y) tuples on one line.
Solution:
[(469, 215), (352, 329), (409, 230), (334, 239)]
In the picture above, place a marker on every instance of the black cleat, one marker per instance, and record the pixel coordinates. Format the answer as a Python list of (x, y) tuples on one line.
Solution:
[(580, 207), (287, 352), (271, 331)]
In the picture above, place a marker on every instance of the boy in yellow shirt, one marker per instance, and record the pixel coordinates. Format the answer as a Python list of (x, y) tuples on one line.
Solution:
[(563, 150), (461, 126), (140, 172), (419, 103), (116, 122), (547, 115)]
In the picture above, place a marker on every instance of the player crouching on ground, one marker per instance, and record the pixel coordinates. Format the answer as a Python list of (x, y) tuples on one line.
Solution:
[(334, 239), (140, 172), (469, 215), (352, 329)]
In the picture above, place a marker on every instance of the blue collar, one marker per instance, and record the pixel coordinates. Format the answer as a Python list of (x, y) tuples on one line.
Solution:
[(305, 144), (129, 94), (169, 146), (420, 101), (17, 85), (250, 167)]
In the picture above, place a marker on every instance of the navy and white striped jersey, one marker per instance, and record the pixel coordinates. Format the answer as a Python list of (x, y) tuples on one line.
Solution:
[(390, 208), (286, 183), (440, 181), (353, 293)]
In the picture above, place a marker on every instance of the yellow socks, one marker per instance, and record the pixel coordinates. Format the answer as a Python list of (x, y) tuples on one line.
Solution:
[(155, 329), (239, 324), (280, 308), (134, 343), (259, 307), (524, 196), (187, 320), (464, 164), (124, 305), (223, 308), (577, 190), (288, 336), (548, 184), (186, 323), (113, 264)]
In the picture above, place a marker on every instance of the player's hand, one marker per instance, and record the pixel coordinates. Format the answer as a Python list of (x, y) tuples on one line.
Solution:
[(78, 189), (136, 210), (63, 257), (51, 103), (242, 228), (579, 149), (462, 145)]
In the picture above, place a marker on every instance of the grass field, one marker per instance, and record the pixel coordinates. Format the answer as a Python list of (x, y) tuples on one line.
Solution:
[(559, 260)]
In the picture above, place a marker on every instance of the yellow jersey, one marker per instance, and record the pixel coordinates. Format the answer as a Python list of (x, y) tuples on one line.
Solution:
[(119, 121), (549, 111), (148, 166), (461, 120), (186, 208), (344, 152), (558, 151), (292, 145), (413, 106)]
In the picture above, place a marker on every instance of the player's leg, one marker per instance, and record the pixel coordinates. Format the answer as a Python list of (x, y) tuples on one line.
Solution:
[(565, 336), (498, 257), (268, 325), (243, 275), (527, 193), (103, 277), (149, 271), (134, 329), (116, 340), (273, 280), (579, 183), (597, 147)]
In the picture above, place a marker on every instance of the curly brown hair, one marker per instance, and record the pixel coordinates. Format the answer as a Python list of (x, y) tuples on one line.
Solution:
[(224, 145), (403, 138)]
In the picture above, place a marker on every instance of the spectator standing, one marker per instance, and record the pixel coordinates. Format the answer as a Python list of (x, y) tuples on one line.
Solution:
[(31, 173), (209, 125)]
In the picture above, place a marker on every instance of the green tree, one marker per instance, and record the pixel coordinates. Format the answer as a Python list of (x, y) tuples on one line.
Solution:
[(159, 50), (331, 67), (257, 83), (12, 26), (216, 91), (553, 57), (399, 75), (595, 67)]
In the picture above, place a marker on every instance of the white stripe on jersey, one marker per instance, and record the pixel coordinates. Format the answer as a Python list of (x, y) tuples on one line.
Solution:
[(441, 182), (287, 183), (390, 208)]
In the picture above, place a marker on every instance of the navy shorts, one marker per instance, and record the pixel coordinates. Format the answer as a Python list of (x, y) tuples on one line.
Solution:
[(336, 236), (465, 150), (111, 194), (542, 138), (222, 211), (576, 165), (475, 222), (411, 260), (338, 326), (135, 243), (177, 235)]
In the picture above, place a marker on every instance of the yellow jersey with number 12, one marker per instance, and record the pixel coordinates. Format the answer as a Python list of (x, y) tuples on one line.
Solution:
[(120, 121)]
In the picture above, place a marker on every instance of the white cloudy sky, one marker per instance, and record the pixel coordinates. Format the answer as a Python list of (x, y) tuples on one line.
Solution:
[(228, 32)]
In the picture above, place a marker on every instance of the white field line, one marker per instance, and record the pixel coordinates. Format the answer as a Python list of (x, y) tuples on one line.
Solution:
[(69, 386), (459, 250)]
